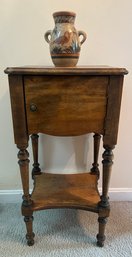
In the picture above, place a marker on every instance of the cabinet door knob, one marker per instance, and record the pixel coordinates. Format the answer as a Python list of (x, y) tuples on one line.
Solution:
[(33, 107)]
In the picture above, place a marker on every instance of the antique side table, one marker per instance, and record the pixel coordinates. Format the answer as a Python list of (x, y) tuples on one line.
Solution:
[(65, 102)]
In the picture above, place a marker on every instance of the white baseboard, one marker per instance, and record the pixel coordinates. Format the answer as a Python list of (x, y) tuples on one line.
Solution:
[(120, 194), (10, 196), (115, 194)]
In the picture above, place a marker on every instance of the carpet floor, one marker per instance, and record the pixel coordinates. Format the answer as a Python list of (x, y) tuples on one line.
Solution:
[(66, 232)]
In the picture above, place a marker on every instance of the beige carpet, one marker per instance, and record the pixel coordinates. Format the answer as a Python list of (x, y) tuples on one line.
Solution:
[(66, 233)]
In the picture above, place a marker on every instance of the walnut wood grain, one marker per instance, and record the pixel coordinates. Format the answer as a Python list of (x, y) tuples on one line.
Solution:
[(65, 190), (68, 107), (114, 96), (107, 168), (79, 70), (66, 102), (18, 110), (24, 170)]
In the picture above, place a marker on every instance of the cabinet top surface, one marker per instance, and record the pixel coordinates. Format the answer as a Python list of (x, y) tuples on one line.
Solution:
[(79, 70)]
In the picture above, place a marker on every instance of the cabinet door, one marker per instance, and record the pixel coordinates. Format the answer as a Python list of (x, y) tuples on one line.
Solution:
[(65, 105)]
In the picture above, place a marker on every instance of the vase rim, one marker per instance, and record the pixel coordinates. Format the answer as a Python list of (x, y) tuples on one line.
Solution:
[(62, 13)]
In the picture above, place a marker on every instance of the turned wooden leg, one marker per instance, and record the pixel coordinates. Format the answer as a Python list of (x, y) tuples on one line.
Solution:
[(95, 169), (100, 236), (107, 167), (24, 170), (30, 235), (104, 207), (36, 169), (27, 202)]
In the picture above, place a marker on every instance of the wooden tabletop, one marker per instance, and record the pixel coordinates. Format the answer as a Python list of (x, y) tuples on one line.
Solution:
[(79, 70)]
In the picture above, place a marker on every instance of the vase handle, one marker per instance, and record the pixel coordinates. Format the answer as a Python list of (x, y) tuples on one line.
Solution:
[(82, 33), (46, 36)]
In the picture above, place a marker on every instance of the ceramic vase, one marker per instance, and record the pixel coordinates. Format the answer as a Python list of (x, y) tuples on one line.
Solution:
[(64, 40)]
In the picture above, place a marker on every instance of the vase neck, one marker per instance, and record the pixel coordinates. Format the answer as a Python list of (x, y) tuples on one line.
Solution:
[(64, 17)]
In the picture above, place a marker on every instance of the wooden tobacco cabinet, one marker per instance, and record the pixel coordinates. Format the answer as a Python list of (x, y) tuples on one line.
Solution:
[(66, 102)]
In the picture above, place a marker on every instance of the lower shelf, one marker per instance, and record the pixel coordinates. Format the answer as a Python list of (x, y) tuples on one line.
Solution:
[(65, 191)]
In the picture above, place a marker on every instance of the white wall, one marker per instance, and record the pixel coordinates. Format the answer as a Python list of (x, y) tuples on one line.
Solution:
[(108, 25)]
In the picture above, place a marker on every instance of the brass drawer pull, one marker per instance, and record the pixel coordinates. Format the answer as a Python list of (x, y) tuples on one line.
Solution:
[(33, 107)]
